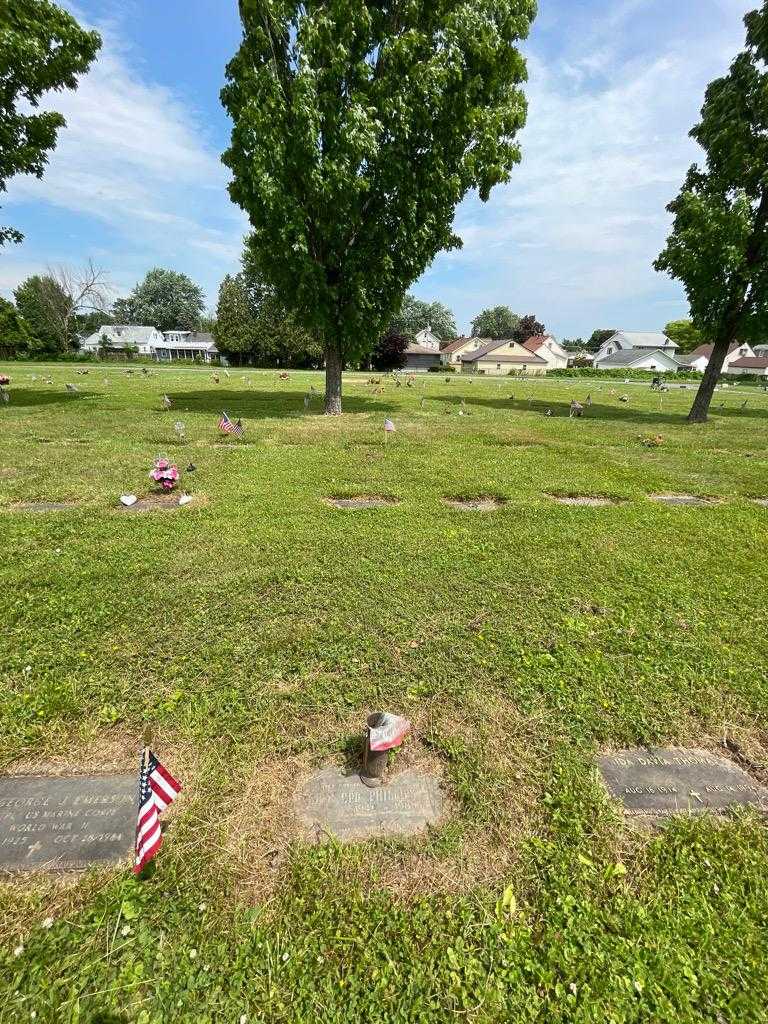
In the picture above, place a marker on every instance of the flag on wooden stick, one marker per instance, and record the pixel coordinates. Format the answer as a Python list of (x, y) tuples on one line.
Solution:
[(389, 426), (157, 791)]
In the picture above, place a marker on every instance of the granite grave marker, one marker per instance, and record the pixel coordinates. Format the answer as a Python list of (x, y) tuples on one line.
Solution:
[(340, 804), (665, 781), (66, 824)]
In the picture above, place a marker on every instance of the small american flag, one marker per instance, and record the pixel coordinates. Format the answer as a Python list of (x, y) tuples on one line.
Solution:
[(389, 426), (167, 403), (157, 791), (226, 426)]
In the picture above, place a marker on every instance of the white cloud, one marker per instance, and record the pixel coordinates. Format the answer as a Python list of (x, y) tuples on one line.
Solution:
[(136, 159), (575, 233)]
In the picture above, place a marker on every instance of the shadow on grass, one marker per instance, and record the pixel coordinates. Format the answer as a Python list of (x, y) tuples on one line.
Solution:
[(266, 404), (620, 411), (26, 398)]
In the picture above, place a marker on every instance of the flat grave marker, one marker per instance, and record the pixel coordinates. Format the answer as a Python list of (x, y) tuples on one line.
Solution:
[(66, 824), (340, 804), (665, 781)]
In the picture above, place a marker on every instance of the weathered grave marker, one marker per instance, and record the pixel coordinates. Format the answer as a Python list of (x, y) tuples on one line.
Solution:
[(340, 804), (66, 824), (665, 781)]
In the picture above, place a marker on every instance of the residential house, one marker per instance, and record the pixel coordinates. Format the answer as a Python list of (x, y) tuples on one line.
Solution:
[(150, 343), (119, 337), (699, 358), (423, 352), (637, 350), (186, 345), (450, 354), (498, 358), (750, 364), (545, 347)]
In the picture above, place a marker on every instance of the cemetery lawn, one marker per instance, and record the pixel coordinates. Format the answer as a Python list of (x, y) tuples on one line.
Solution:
[(256, 627)]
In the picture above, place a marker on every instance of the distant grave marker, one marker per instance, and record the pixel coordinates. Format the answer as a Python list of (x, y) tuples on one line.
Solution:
[(482, 503), (691, 500), (66, 824), (362, 501), (666, 781), (590, 500), (340, 804)]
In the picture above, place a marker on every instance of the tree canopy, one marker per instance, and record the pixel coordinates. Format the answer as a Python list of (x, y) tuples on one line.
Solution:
[(15, 337), (43, 303), (597, 338), (253, 327), (358, 127), (498, 322), (685, 334), (528, 327), (42, 48), (389, 351), (165, 299), (415, 315), (718, 247)]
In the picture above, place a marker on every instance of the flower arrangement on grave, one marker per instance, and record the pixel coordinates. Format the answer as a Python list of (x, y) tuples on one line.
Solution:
[(4, 380), (165, 474)]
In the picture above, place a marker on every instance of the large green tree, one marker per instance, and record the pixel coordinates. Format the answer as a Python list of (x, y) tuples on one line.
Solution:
[(497, 322), (358, 127), (718, 246), (165, 299), (42, 49), (42, 302), (415, 315), (15, 337)]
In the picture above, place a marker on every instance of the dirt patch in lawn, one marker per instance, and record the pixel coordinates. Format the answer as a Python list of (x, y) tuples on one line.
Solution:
[(42, 506), (689, 500), (590, 500), (480, 503), (162, 503), (363, 501)]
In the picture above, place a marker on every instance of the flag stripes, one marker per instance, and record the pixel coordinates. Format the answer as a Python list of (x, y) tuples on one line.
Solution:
[(157, 791)]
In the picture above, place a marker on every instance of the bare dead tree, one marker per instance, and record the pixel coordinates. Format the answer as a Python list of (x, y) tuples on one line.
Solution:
[(73, 292)]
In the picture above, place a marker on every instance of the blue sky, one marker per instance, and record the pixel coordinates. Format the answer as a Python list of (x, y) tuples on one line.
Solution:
[(615, 86)]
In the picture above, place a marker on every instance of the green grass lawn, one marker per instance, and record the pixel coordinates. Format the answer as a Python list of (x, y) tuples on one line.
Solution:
[(255, 629)]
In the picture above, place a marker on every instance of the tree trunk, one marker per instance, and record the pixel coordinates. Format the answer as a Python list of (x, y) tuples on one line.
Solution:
[(333, 367), (700, 407)]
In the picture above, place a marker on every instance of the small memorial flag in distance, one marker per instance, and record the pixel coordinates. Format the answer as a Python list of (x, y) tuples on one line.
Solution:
[(157, 791), (389, 428), (226, 426)]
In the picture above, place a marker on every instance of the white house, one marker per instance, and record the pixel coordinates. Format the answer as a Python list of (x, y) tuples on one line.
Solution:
[(151, 343), (638, 359), (699, 358), (186, 345), (118, 337), (637, 350), (545, 347)]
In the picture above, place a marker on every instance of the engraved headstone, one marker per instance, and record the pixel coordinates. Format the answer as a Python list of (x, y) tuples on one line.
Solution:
[(664, 781), (66, 824), (332, 802)]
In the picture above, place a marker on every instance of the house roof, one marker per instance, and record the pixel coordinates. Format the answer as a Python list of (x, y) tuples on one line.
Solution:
[(488, 349), (486, 345), (706, 351), (534, 343), (419, 350), (625, 357), (751, 362), (456, 344), (126, 334), (645, 339)]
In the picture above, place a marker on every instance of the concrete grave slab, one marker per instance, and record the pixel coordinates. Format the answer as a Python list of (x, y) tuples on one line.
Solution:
[(334, 803), (66, 824), (675, 780)]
